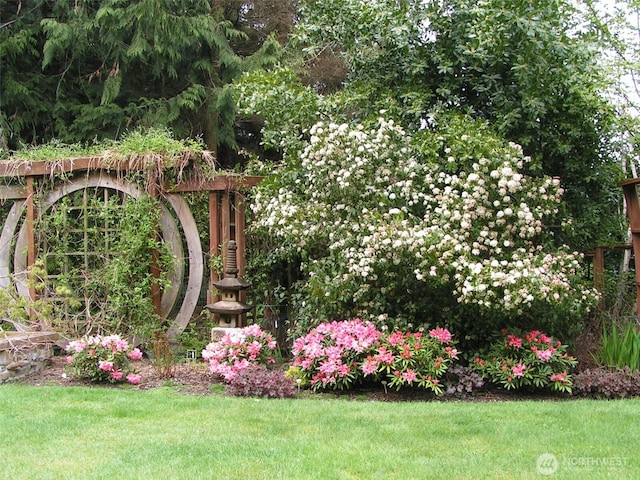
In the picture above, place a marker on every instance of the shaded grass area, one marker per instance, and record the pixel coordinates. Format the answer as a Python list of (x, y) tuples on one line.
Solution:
[(100, 433)]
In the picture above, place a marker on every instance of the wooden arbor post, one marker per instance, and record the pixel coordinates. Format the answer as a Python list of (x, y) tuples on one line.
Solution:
[(226, 218), (226, 224), (633, 212)]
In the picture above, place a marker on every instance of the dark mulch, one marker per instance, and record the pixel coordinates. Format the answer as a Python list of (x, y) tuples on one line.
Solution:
[(191, 378), (194, 378)]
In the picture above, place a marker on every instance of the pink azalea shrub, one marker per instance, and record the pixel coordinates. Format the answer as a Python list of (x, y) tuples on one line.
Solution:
[(416, 359), (239, 349), (103, 359), (532, 360), (341, 354)]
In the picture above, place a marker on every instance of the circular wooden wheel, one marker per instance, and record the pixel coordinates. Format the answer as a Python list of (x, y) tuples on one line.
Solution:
[(169, 230)]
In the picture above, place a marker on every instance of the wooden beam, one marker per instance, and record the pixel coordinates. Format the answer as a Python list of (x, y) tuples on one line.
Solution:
[(31, 242), (23, 168), (219, 183), (628, 182), (598, 274), (226, 220), (239, 205), (241, 259), (13, 192), (214, 239)]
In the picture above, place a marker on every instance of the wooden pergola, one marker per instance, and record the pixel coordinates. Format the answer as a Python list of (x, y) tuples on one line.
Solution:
[(226, 201)]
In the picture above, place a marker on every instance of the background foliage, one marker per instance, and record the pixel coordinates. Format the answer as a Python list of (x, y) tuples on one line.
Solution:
[(543, 75), (80, 70)]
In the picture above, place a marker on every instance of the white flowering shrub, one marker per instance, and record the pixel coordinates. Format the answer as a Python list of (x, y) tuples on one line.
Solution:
[(447, 225)]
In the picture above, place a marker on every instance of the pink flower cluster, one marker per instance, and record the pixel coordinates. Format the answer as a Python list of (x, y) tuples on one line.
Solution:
[(540, 344), (560, 377), (518, 370), (238, 349), (330, 349), (103, 358), (441, 334), (340, 354), (534, 359)]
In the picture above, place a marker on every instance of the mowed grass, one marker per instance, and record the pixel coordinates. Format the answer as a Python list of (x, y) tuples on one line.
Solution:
[(104, 433)]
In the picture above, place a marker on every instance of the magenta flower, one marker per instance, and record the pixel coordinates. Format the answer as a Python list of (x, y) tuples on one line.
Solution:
[(441, 334), (76, 346), (135, 354), (532, 336), (238, 349), (542, 338), (369, 366), (384, 356), (340, 353), (396, 338), (514, 341), (133, 378), (409, 375), (254, 349), (518, 370), (559, 377), (106, 366), (544, 355), (101, 358)]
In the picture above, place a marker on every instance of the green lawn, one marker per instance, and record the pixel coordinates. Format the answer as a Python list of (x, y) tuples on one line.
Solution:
[(100, 433)]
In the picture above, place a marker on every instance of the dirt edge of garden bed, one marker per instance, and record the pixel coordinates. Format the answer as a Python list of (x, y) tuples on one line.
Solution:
[(194, 378)]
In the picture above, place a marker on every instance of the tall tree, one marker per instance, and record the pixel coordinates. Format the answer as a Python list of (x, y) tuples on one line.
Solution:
[(531, 69), (515, 84), (85, 69)]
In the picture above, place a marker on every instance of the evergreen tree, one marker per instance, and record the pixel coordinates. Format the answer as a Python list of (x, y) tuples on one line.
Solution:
[(92, 69)]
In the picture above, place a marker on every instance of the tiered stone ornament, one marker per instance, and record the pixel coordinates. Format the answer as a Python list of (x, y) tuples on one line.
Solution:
[(229, 309)]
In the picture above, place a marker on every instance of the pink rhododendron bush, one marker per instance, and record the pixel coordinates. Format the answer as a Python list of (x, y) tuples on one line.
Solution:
[(339, 355), (531, 360), (402, 230), (103, 359), (238, 349)]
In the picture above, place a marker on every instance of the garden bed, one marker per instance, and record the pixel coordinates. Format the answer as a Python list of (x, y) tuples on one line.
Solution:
[(193, 378)]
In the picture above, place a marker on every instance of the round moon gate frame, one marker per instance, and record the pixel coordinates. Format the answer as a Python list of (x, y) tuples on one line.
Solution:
[(226, 221)]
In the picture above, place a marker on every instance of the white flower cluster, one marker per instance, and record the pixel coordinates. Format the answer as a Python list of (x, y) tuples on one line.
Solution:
[(365, 196)]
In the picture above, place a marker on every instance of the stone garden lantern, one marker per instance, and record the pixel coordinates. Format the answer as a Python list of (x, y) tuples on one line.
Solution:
[(229, 309)]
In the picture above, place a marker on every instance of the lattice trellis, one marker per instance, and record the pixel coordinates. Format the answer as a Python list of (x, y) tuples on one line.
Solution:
[(83, 187)]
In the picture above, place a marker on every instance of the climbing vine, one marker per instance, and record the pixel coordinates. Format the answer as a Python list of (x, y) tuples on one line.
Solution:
[(97, 249)]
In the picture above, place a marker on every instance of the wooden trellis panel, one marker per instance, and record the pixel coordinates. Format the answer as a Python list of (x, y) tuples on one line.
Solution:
[(226, 213)]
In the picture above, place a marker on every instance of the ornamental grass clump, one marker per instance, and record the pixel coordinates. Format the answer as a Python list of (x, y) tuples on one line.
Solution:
[(342, 354), (103, 359), (238, 349), (533, 360)]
